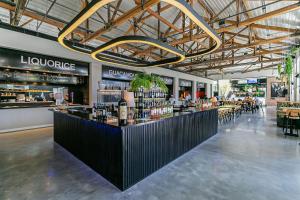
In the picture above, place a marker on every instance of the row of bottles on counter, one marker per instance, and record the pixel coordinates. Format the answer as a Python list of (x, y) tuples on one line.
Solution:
[(201, 104), (154, 93), (154, 110), (147, 104), (99, 112)]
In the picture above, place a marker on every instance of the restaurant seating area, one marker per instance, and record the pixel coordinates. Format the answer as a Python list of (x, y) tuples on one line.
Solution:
[(288, 117), (230, 110)]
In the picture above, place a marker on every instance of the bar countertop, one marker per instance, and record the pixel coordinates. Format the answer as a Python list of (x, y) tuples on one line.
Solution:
[(34, 104), (114, 122)]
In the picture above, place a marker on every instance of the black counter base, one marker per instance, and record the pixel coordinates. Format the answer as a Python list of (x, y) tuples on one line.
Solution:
[(126, 155)]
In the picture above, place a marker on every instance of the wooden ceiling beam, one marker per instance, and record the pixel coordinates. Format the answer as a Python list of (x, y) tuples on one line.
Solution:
[(249, 70), (116, 10), (236, 65), (61, 25), (159, 17), (260, 42), (122, 19), (219, 60), (265, 16), (239, 46), (262, 68), (243, 23), (206, 8), (27, 22), (274, 28), (19, 9)]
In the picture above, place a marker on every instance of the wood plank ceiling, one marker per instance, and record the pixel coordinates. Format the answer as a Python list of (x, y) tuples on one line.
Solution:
[(250, 41)]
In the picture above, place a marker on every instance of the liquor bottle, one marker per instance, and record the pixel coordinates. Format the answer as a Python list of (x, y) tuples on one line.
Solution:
[(122, 111), (98, 112), (104, 113), (94, 111), (141, 104)]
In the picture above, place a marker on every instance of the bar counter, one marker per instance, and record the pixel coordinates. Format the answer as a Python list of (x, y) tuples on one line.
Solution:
[(125, 155)]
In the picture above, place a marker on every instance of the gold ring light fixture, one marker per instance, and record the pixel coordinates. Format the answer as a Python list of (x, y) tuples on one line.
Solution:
[(179, 55), (102, 54)]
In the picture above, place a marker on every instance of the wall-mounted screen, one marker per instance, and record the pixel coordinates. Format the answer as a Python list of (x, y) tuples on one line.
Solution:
[(251, 81)]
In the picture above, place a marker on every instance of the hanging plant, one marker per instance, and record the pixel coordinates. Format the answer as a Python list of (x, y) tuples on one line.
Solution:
[(294, 51), (147, 81), (288, 67)]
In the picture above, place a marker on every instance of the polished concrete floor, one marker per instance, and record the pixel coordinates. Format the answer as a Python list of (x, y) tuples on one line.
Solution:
[(248, 159)]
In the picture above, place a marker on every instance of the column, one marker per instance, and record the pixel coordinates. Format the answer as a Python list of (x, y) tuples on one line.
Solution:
[(208, 89), (176, 88), (194, 90), (297, 79), (95, 76)]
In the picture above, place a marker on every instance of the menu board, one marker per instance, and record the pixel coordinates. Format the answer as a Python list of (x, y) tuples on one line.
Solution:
[(118, 73), (36, 77), (15, 59), (200, 85), (185, 83), (251, 81)]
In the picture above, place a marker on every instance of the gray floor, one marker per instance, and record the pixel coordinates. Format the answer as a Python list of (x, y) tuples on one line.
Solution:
[(248, 159)]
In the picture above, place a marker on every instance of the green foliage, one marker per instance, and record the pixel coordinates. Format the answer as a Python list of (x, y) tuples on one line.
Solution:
[(247, 87), (147, 81), (279, 68), (289, 63), (294, 50), (288, 66), (160, 83)]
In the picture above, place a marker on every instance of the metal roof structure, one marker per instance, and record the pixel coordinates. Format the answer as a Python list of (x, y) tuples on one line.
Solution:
[(256, 33)]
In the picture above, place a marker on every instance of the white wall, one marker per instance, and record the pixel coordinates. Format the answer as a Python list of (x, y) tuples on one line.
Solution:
[(20, 41)]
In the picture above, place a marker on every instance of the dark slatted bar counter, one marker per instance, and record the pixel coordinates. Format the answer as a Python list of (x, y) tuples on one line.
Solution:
[(126, 155)]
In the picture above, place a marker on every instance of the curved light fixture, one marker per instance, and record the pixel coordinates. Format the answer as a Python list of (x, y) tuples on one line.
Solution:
[(100, 54), (88, 11), (96, 54), (197, 19)]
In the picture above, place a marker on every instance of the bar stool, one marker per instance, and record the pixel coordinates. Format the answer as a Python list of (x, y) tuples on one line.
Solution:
[(292, 118), (282, 114)]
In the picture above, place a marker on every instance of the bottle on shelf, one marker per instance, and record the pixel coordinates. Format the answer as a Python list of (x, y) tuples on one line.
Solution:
[(141, 103), (122, 111), (104, 113), (94, 110)]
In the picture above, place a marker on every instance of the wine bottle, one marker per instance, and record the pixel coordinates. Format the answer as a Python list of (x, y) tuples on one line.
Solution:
[(94, 111), (122, 111), (104, 113)]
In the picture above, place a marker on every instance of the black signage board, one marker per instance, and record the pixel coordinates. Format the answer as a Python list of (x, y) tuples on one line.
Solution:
[(185, 83), (168, 80), (200, 85), (118, 73), (21, 60), (39, 78)]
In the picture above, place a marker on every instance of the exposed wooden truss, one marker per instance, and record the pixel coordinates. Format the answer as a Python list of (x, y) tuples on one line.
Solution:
[(17, 13), (187, 36)]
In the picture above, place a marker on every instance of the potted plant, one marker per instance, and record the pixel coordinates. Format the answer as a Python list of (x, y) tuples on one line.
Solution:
[(147, 81)]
